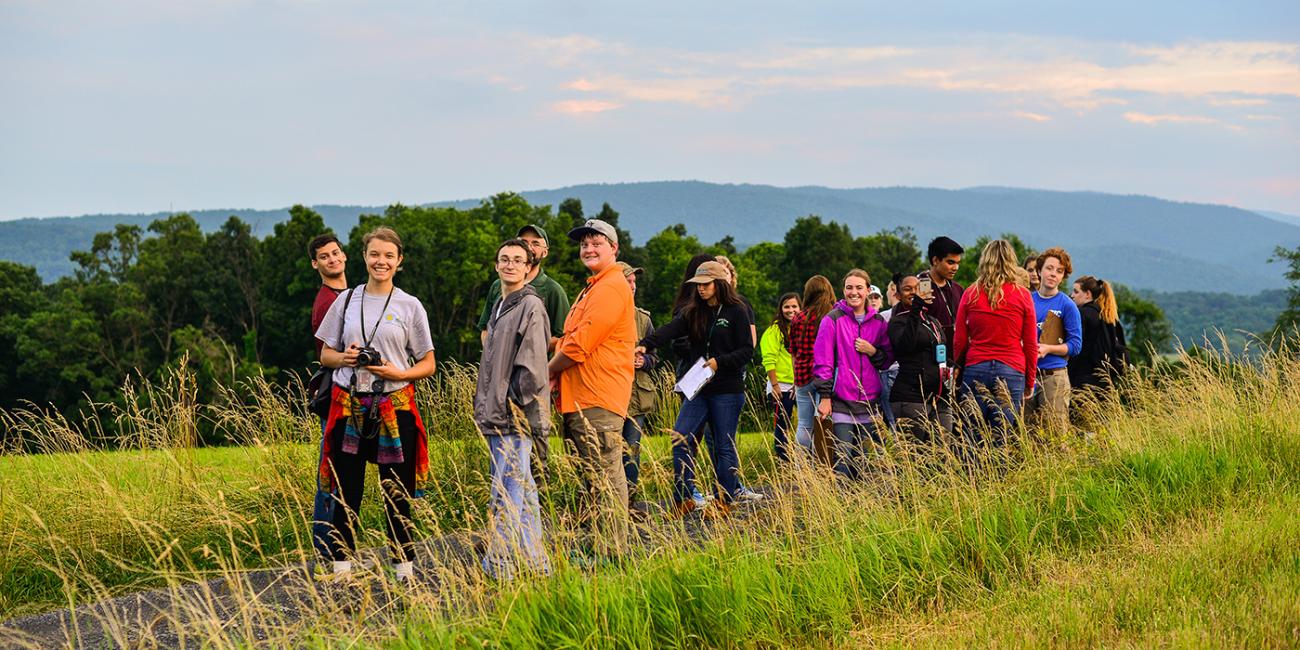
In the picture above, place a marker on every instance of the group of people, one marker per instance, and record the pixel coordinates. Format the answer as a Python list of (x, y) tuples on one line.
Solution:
[(852, 369)]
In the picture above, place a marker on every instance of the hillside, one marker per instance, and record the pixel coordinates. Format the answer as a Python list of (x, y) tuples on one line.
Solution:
[(1140, 241)]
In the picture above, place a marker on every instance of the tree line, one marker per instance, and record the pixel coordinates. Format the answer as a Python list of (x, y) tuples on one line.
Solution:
[(232, 306)]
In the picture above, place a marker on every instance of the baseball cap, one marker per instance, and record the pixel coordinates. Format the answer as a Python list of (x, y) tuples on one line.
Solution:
[(541, 232), (874, 291), (710, 271), (628, 269), (594, 227)]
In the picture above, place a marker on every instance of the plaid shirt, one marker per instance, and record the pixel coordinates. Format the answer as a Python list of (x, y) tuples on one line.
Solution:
[(803, 333)]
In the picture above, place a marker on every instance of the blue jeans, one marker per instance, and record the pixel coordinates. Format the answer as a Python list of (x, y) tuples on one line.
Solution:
[(722, 413), (633, 429), (999, 391), (805, 400), (887, 378), (781, 407), (515, 541)]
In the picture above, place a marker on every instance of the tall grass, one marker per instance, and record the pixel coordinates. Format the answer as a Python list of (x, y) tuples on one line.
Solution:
[(931, 532)]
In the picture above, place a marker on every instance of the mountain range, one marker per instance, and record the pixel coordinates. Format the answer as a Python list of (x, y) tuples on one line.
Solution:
[(1140, 241)]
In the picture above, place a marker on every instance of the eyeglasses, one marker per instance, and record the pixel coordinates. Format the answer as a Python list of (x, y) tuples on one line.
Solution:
[(509, 261)]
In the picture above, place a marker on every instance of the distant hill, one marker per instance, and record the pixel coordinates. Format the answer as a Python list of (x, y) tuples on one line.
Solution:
[(1140, 241), (1280, 216)]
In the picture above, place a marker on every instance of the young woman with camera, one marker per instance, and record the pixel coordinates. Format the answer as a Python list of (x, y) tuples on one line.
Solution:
[(385, 346)]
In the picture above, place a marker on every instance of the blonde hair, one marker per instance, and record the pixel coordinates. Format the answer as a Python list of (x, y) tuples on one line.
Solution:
[(723, 260), (999, 266), (857, 273), (1103, 295)]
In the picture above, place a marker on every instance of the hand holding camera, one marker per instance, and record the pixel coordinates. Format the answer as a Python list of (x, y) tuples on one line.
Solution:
[(362, 355)]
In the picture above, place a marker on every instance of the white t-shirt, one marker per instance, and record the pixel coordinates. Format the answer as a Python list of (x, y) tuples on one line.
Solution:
[(402, 333)]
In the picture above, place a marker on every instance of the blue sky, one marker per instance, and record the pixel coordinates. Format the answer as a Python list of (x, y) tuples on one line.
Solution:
[(147, 106)]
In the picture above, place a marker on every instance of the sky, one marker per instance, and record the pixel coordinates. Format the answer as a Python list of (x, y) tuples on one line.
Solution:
[(155, 105)]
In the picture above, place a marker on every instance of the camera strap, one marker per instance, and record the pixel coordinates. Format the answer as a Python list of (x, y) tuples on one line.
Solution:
[(374, 330)]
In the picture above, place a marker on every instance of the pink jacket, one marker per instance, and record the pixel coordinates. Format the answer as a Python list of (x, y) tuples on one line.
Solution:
[(850, 378)]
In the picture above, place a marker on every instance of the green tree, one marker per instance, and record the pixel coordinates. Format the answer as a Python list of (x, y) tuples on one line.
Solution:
[(170, 272), (287, 287), (64, 356), (102, 298), (230, 292), (1145, 326), (813, 247), (448, 255), (1289, 319), (111, 255), (21, 294), (667, 254), (888, 252), (970, 260), (753, 282)]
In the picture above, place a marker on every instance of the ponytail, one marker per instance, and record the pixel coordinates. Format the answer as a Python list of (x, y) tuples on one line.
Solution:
[(1103, 295), (1106, 303)]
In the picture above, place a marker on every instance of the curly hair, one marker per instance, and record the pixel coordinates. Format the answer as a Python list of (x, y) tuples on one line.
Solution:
[(998, 266), (1061, 256)]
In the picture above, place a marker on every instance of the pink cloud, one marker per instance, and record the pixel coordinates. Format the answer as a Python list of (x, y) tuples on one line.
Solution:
[(584, 106), (1032, 117)]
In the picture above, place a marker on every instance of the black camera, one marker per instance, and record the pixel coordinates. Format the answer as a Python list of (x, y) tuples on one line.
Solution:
[(369, 356)]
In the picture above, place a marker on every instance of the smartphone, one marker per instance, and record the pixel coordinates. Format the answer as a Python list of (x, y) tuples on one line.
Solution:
[(925, 287)]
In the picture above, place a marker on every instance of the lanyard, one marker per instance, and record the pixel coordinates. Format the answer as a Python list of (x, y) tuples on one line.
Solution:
[(929, 325), (364, 339), (708, 339), (952, 313)]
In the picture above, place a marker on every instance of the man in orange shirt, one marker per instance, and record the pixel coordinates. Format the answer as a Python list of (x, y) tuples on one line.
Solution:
[(592, 375)]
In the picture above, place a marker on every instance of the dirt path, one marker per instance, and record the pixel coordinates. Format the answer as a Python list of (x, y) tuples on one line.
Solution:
[(255, 605)]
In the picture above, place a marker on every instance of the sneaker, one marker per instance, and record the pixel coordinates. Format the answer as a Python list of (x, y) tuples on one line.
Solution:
[(699, 500), (746, 494)]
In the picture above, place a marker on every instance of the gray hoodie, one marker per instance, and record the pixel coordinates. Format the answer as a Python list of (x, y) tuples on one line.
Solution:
[(514, 390)]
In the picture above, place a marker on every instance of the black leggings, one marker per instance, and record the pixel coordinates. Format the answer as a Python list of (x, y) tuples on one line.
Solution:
[(397, 483)]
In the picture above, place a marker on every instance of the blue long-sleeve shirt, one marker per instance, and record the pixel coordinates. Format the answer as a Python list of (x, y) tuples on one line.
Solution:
[(1069, 314)]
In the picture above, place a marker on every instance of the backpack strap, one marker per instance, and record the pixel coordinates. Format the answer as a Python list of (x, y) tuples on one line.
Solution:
[(343, 317)]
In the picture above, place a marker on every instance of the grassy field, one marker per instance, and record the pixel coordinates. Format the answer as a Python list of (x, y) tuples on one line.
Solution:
[(1175, 524)]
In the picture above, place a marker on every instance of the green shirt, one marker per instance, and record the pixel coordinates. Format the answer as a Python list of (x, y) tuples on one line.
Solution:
[(552, 294)]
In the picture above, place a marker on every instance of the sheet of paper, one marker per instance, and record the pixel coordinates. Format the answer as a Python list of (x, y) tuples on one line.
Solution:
[(694, 379)]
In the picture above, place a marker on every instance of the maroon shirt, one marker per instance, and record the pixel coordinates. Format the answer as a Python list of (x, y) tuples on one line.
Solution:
[(324, 298)]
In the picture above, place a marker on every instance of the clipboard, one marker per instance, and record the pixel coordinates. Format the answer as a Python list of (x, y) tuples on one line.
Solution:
[(694, 379), (1052, 331)]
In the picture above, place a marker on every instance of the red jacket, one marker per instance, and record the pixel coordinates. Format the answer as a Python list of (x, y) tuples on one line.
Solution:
[(1008, 334)]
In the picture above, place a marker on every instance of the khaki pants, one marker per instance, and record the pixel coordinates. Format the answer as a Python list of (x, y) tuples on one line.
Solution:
[(1050, 406), (595, 436)]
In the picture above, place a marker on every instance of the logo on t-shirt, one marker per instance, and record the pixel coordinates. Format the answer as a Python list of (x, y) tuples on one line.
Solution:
[(722, 322)]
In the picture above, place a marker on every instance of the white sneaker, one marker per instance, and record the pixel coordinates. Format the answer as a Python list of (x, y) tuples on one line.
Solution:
[(746, 494)]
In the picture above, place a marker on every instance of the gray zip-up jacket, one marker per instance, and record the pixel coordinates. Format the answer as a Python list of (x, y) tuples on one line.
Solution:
[(514, 391)]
